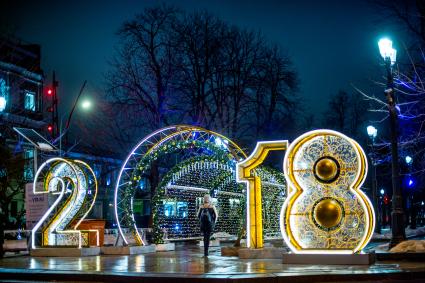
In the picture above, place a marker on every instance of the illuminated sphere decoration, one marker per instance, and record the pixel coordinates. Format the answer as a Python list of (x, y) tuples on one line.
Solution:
[(325, 210), (326, 169), (328, 213)]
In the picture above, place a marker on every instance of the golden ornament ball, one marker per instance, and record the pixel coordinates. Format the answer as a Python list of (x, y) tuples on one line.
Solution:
[(326, 169), (328, 213)]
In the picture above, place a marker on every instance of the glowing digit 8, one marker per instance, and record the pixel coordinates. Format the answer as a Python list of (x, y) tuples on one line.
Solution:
[(326, 212)]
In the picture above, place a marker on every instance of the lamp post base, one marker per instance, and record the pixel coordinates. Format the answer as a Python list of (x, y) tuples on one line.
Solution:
[(397, 227)]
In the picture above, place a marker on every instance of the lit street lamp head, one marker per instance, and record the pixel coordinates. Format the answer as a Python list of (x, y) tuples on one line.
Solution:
[(372, 132), (86, 104), (387, 51)]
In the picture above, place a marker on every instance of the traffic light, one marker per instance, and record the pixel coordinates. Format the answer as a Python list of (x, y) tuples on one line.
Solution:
[(49, 91), (50, 128)]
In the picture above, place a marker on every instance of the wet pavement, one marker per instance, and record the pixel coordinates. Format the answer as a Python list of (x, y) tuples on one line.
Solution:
[(187, 264)]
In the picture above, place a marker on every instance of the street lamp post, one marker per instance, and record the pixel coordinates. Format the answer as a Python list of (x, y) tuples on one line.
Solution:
[(372, 132), (85, 105), (389, 54)]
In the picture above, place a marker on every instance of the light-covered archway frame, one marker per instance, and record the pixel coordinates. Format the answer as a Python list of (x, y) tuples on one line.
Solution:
[(192, 136)]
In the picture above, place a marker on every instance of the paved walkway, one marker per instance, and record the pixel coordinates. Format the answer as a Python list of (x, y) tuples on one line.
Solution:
[(187, 264)]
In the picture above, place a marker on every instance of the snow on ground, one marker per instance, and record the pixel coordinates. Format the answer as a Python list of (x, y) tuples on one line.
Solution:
[(410, 246)]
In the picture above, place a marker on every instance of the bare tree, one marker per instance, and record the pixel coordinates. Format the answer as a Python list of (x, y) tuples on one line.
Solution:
[(139, 83), (408, 14), (346, 113), (12, 184)]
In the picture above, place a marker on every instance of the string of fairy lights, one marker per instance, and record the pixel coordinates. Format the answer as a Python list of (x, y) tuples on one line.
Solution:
[(181, 192)]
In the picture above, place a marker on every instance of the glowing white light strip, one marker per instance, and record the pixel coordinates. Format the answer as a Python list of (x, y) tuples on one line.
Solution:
[(119, 178), (229, 193), (273, 184), (187, 188), (37, 226), (40, 222)]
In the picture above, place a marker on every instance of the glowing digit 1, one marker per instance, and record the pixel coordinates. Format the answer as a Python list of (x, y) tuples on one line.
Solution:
[(246, 174)]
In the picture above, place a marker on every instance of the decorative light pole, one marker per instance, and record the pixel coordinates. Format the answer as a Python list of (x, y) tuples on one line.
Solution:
[(372, 132), (389, 54)]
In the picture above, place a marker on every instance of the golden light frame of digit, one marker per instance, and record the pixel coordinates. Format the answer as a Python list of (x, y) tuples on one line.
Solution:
[(64, 176), (325, 211), (246, 174)]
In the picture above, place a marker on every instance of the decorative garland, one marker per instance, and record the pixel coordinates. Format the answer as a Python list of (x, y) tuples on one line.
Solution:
[(145, 163)]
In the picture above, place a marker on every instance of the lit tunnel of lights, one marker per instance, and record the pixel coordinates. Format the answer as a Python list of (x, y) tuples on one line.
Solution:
[(188, 162)]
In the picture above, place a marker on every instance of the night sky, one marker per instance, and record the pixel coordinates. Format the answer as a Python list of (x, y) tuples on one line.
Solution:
[(331, 43)]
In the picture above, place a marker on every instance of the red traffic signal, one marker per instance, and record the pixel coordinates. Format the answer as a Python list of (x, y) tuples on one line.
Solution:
[(49, 91), (50, 128)]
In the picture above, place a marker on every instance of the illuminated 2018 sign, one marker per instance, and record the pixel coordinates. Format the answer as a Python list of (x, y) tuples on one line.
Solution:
[(325, 211)]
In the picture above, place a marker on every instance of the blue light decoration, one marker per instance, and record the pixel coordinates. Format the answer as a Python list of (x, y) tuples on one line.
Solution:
[(409, 160), (398, 108), (382, 191), (409, 182), (142, 184)]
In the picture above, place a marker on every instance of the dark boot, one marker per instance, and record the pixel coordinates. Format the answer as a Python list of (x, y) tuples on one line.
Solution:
[(206, 243)]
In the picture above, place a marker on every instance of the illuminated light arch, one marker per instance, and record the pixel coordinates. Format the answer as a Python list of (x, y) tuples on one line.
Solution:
[(70, 181), (301, 227), (186, 183), (246, 173), (193, 137)]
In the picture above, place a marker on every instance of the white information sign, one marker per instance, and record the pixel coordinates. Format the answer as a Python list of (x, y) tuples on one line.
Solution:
[(36, 205)]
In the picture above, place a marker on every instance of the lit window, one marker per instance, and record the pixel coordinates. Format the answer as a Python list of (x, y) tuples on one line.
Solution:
[(28, 167), (175, 208), (169, 208), (29, 101), (182, 209)]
